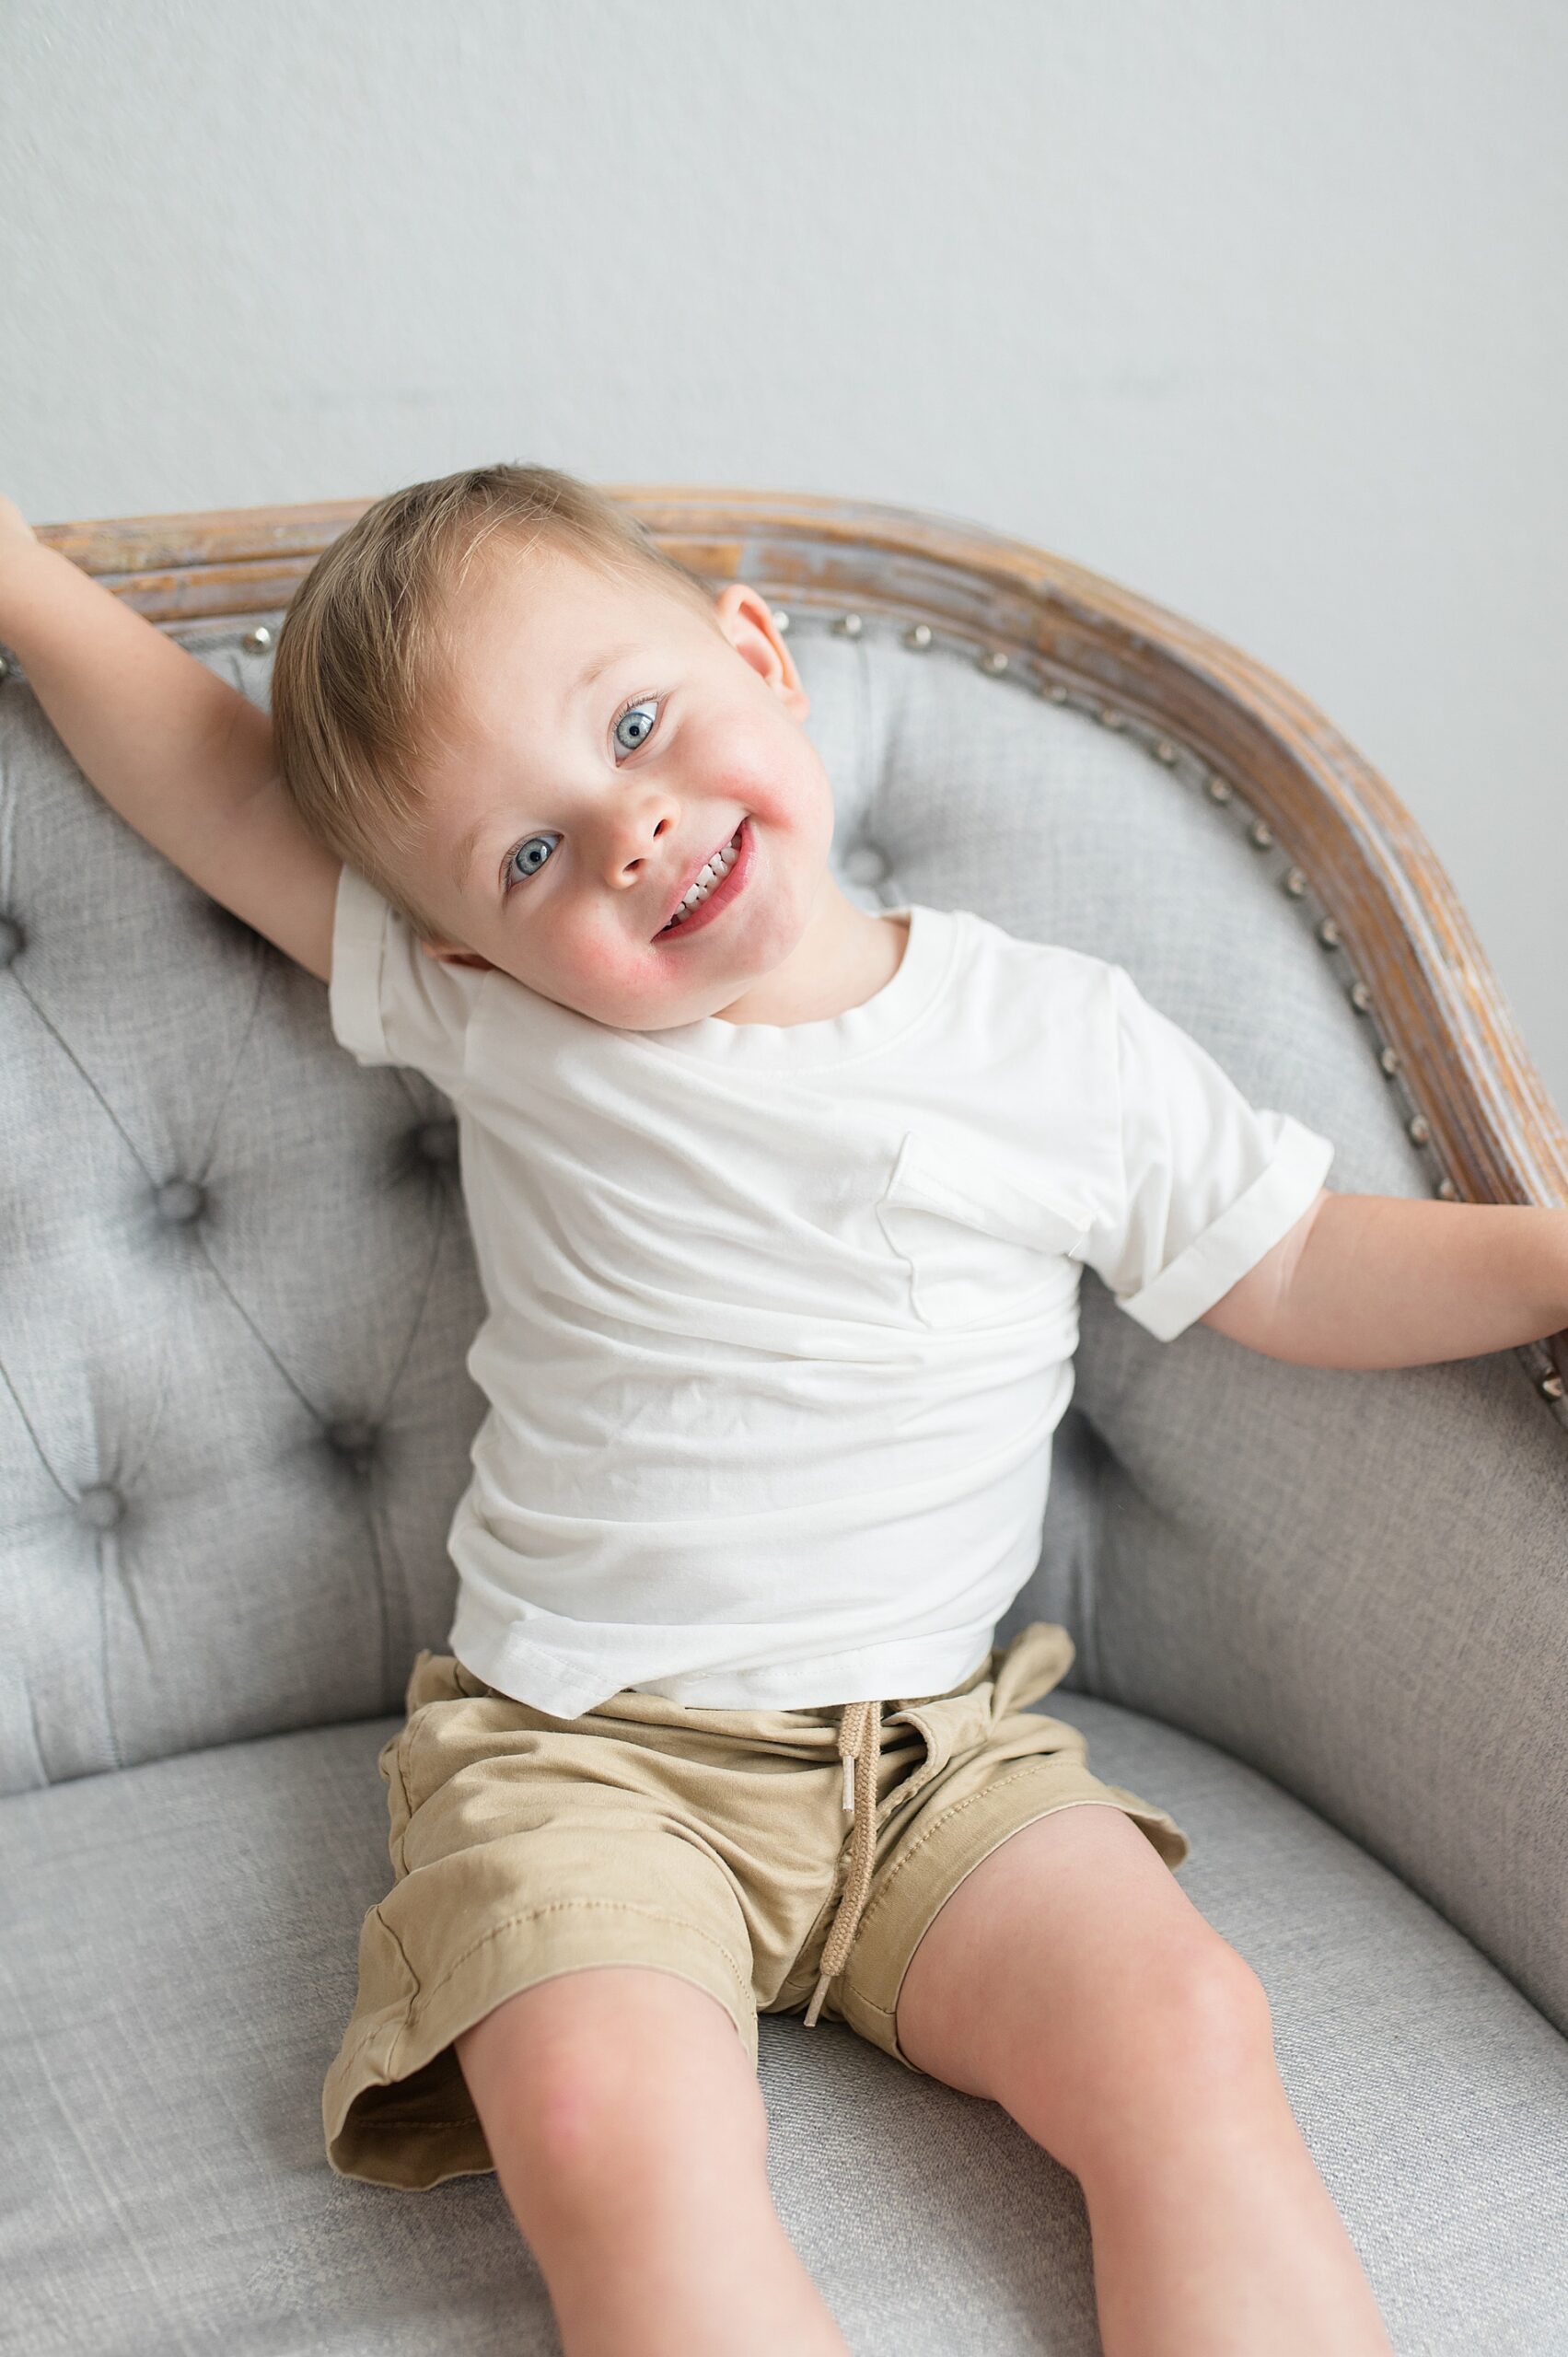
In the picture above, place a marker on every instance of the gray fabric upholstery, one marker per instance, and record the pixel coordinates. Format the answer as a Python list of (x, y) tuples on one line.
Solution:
[(1321, 1616), (179, 1963)]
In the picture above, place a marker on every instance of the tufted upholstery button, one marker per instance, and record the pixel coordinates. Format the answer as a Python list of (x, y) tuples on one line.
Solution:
[(101, 1507), (11, 939), (437, 1140), (352, 1437), (864, 864), (180, 1198)]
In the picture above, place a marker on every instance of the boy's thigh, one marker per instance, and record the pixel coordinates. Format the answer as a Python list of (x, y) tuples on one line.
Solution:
[(995, 1795), (1068, 1962)]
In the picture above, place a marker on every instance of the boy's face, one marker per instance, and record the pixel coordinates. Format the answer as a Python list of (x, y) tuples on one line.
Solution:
[(603, 738)]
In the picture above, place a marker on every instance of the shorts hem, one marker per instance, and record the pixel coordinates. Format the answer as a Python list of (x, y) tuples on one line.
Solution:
[(395, 2105)]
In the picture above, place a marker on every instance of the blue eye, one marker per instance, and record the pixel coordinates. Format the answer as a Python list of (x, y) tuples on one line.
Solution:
[(524, 852), (635, 725)]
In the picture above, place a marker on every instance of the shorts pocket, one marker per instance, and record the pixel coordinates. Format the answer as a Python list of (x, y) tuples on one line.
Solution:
[(979, 1244), (419, 1758), (399, 1808)]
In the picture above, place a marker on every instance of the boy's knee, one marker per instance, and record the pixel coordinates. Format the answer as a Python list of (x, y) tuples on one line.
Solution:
[(1211, 2010), (1203, 2033), (1186, 2035), (596, 2074)]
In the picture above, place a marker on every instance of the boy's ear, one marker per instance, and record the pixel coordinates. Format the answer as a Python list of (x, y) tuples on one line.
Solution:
[(449, 954), (746, 619)]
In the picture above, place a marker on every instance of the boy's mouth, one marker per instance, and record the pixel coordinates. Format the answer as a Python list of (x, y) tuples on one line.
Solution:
[(717, 882)]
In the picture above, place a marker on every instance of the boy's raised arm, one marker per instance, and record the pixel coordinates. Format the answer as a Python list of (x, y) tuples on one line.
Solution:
[(165, 741), (185, 758)]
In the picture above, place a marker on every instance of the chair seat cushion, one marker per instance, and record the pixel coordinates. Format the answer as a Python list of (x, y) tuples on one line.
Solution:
[(177, 1959)]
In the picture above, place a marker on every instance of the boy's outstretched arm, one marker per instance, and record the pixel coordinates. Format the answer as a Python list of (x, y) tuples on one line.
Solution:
[(158, 733), (185, 758), (1383, 1281)]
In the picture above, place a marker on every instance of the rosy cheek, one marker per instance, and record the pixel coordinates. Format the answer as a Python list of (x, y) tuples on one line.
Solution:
[(619, 968)]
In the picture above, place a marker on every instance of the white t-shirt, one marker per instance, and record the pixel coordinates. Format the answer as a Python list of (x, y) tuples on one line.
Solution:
[(781, 1319)]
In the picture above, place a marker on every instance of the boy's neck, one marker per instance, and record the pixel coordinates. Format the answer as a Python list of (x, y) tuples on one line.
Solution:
[(853, 956)]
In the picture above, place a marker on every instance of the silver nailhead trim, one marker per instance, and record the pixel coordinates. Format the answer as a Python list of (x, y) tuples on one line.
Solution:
[(1552, 1388), (1420, 1129), (258, 640), (1328, 933), (781, 622), (1296, 883), (1360, 997), (1390, 1059), (1165, 751), (1260, 835), (1058, 693), (994, 661), (1109, 717), (849, 625), (5, 667), (1217, 789), (1448, 1191), (918, 635)]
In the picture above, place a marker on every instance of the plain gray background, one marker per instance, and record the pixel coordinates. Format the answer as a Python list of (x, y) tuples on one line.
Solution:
[(1260, 309)]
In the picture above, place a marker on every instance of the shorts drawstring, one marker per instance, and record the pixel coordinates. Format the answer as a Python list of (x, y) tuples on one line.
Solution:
[(860, 1747)]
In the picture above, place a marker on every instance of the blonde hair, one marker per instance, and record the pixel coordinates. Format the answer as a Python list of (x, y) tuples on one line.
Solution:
[(364, 655)]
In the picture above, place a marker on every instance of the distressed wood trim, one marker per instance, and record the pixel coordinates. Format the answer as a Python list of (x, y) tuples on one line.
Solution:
[(1478, 1108)]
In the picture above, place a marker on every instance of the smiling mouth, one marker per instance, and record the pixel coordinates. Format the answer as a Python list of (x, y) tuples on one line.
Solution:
[(712, 882)]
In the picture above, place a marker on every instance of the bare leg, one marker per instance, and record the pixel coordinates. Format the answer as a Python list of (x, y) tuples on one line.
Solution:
[(630, 2139), (1071, 1980)]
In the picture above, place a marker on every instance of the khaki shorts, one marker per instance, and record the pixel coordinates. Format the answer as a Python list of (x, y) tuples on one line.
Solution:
[(709, 1844)]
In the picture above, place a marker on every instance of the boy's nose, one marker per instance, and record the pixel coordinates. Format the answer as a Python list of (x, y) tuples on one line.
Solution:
[(637, 840)]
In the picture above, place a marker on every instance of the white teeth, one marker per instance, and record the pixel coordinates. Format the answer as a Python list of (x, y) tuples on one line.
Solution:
[(713, 873)]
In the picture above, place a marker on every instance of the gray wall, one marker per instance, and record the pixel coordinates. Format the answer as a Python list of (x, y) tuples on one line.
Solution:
[(1262, 309)]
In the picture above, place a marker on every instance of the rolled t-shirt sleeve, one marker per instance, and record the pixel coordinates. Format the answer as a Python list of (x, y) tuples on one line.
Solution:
[(1210, 1183), (388, 1003)]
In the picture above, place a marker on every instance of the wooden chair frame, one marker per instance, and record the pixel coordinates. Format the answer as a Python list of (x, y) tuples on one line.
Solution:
[(1352, 856)]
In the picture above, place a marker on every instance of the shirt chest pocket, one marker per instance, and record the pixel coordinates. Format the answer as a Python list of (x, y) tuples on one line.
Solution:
[(978, 1245)]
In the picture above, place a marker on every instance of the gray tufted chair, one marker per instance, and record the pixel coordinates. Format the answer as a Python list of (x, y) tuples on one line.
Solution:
[(1321, 1615)]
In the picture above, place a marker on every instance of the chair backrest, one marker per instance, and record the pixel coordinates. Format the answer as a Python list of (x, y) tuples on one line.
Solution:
[(237, 1284)]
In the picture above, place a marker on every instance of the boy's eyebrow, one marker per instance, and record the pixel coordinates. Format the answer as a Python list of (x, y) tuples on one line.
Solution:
[(463, 858), (600, 663)]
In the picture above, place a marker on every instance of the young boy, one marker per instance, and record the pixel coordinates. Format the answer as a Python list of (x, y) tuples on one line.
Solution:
[(780, 1210)]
